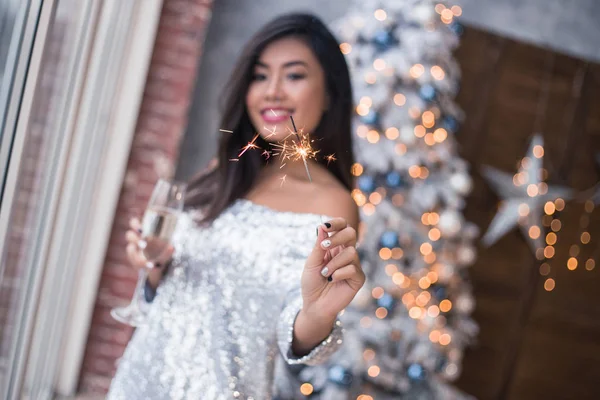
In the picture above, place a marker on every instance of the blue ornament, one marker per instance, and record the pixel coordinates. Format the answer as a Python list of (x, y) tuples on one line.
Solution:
[(386, 301), (383, 40), (389, 239), (427, 92), (439, 291), (340, 375), (457, 28), (416, 372), (394, 180), (371, 118), (366, 183), (450, 123)]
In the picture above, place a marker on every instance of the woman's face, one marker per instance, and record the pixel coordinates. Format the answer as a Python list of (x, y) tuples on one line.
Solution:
[(288, 80)]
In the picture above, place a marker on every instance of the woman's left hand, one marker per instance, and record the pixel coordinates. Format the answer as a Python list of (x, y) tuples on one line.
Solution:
[(332, 274)]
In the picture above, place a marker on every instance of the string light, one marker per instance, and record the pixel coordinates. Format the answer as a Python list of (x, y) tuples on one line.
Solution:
[(392, 133), (345, 48), (590, 264), (399, 99), (306, 389), (366, 322), (417, 70), (379, 64), (380, 15), (377, 292), (391, 269), (440, 135), (437, 72), (381, 312), (362, 131), (357, 169), (445, 339), (398, 278), (420, 131), (385, 253), (362, 109), (447, 16), (445, 305), (400, 148), (369, 354), (373, 136), (456, 10), (371, 78), (584, 236)]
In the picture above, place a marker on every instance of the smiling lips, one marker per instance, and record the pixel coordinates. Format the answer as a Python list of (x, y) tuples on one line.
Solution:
[(276, 115)]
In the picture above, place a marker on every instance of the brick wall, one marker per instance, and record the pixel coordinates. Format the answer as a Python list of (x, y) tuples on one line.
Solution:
[(160, 127)]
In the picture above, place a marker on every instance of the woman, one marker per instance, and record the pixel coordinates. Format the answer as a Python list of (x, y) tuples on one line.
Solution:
[(248, 278)]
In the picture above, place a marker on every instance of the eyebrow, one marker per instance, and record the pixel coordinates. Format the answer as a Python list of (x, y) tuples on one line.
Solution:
[(286, 65)]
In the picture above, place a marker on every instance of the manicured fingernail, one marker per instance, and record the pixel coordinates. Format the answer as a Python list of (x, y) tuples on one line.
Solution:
[(327, 224), (326, 243), (142, 244), (325, 271), (330, 278)]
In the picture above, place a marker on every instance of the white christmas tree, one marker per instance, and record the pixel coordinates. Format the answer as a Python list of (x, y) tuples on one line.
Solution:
[(407, 329)]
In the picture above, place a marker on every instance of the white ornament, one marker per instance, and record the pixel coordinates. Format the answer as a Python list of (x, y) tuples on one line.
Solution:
[(465, 303), (423, 13), (466, 255), (461, 182), (450, 223), (407, 135)]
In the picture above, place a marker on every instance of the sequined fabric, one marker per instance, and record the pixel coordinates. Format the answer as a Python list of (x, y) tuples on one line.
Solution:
[(220, 326)]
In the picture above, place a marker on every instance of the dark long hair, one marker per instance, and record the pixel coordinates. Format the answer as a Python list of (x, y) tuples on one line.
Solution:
[(218, 187)]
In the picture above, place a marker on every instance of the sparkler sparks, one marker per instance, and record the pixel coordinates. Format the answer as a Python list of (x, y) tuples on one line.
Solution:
[(294, 150), (250, 145)]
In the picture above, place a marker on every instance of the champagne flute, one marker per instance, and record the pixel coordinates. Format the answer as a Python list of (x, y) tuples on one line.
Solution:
[(158, 225)]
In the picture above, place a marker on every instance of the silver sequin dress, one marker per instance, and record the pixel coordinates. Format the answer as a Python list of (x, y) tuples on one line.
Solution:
[(220, 326)]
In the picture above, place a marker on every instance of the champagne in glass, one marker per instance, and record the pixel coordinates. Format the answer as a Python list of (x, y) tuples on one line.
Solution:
[(158, 225)]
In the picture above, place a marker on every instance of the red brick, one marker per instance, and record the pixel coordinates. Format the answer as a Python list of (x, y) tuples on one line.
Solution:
[(161, 122)]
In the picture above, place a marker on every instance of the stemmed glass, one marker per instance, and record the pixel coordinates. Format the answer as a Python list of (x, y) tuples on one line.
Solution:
[(158, 225)]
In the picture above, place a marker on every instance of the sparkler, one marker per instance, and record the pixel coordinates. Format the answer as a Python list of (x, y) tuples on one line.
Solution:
[(251, 145), (300, 149), (303, 149)]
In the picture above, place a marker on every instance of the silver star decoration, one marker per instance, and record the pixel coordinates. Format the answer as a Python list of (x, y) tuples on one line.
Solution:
[(523, 197)]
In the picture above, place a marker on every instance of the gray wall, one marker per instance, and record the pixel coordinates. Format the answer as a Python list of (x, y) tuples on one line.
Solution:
[(568, 26)]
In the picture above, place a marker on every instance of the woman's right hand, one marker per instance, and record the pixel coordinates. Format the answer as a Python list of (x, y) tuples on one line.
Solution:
[(136, 256)]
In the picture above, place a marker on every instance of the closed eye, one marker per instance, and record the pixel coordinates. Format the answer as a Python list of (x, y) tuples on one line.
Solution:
[(258, 77), (296, 77)]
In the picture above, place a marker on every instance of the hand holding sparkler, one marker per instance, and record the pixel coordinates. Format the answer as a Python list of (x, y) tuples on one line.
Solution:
[(331, 278)]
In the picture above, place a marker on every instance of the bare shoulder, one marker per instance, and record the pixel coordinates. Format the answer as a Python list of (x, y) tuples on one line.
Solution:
[(337, 202)]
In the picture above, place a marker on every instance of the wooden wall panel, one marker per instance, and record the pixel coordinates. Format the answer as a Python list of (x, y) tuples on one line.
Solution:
[(533, 344)]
